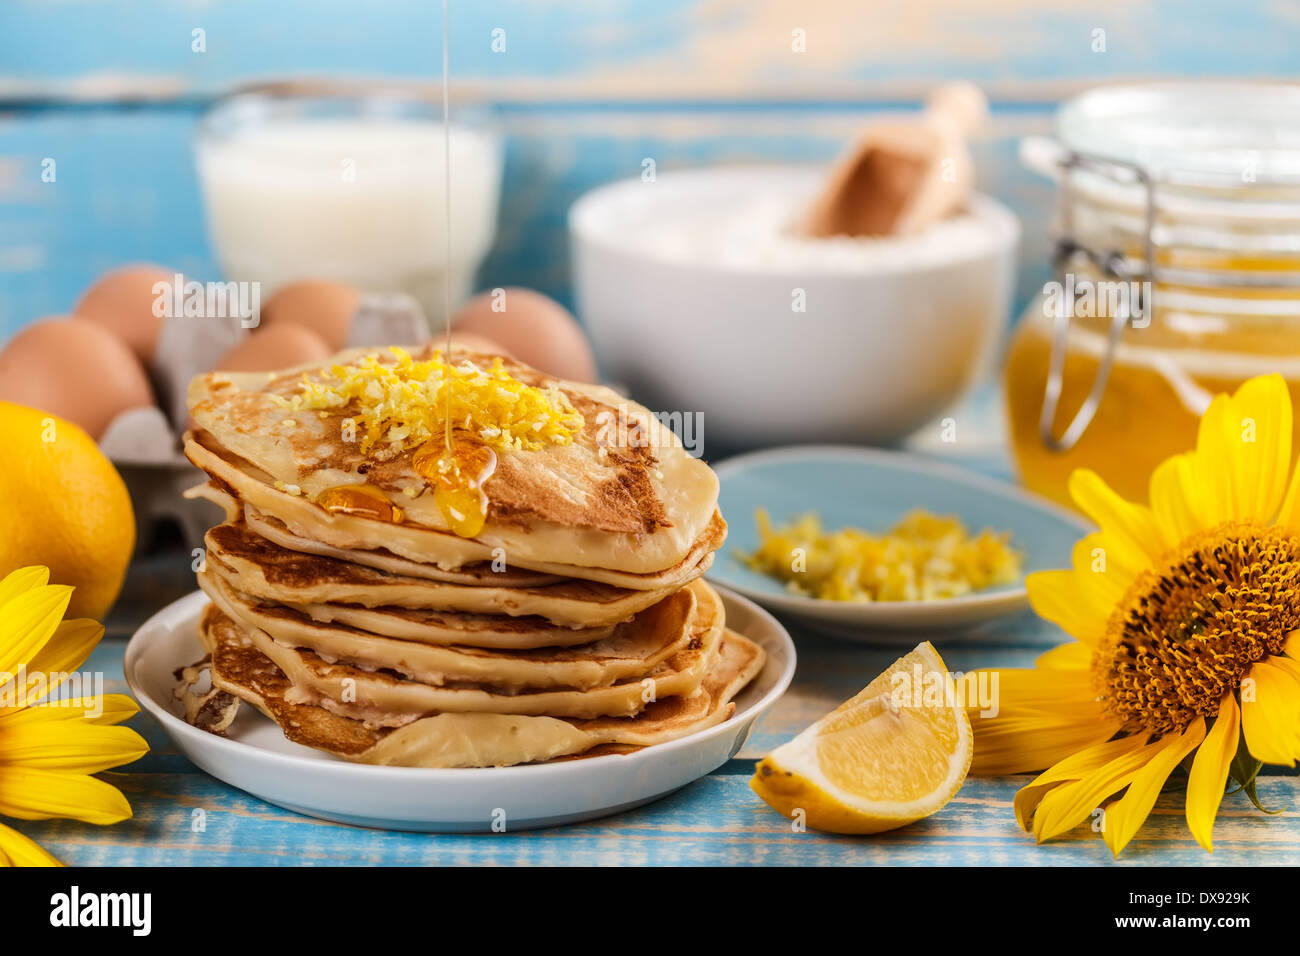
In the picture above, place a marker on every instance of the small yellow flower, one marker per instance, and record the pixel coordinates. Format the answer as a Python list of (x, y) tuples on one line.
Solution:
[(50, 743), (1185, 615)]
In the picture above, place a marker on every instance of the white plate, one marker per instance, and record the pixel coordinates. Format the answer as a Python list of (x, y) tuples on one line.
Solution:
[(256, 757), (872, 489)]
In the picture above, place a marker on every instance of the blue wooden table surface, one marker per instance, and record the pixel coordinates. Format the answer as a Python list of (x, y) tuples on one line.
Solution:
[(716, 820)]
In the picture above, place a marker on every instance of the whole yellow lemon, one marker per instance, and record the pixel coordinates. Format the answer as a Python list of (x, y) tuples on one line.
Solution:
[(65, 506)]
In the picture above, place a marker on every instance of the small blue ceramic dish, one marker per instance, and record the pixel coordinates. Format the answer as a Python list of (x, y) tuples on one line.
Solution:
[(872, 489)]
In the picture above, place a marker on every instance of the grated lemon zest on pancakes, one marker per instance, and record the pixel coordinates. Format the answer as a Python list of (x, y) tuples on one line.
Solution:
[(406, 403)]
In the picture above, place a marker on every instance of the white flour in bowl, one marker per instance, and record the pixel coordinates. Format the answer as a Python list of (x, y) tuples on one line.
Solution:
[(754, 235)]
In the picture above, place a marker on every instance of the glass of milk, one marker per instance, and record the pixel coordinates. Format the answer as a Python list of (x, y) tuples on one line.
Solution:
[(349, 183)]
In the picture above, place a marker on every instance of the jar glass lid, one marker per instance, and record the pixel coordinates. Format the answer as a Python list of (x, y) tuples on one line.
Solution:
[(1193, 133)]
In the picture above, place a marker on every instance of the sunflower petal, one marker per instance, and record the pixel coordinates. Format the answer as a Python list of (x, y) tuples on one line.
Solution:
[(1126, 815), (1210, 772), (60, 745), (1172, 498), (1261, 414), (1292, 669), (1100, 581), (1019, 689), (1288, 516), (1018, 684), (69, 647), (1028, 744), (18, 850), (1065, 807), (1270, 714), (107, 710), (1243, 454), (44, 794), (1073, 656), (1135, 537), (1075, 766), (21, 581), (29, 620), (1058, 596), (65, 651), (1217, 441)]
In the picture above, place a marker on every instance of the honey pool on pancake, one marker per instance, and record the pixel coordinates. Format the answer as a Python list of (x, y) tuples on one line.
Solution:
[(492, 412), (457, 476)]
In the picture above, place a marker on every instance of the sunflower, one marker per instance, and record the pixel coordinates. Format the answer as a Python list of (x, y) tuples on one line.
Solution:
[(50, 743), (1185, 614)]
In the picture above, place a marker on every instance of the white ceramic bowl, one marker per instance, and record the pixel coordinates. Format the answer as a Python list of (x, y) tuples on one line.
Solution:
[(891, 335)]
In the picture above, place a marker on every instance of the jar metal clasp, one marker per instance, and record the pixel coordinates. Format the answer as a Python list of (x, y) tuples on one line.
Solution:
[(1115, 265)]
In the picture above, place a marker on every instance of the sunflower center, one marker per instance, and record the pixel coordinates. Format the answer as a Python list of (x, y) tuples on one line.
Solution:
[(1187, 634)]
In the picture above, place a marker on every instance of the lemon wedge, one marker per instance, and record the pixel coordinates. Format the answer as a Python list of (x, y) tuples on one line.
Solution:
[(895, 753)]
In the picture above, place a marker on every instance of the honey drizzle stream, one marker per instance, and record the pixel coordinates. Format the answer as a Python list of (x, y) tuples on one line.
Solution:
[(446, 208), (461, 471), (458, 465)]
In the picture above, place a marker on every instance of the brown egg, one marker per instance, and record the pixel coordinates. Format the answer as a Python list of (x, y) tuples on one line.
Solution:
[(75, 369), (122, 301), (469, 342), (533, 328), (322, 306), (275, 347)]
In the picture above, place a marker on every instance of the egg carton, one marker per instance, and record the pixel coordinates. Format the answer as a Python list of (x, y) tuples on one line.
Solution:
[(145, 443)]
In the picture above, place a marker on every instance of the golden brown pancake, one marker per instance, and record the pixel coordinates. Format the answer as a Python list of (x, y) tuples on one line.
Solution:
[(471, 740), (449, 627), (445, 550), (631, 651), (383, 698), (256, 566), (621, 495), (498, 574)]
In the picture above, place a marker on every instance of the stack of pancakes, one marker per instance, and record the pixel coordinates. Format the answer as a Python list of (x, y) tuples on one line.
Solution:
[(575, 622)]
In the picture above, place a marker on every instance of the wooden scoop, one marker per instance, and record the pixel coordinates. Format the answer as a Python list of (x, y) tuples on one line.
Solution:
[(903, 174)]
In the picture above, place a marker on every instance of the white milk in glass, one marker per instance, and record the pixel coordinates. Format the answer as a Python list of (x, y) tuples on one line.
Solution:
[(360, 200)]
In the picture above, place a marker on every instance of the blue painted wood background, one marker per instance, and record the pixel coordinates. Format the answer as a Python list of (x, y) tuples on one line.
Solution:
[(584, 91)]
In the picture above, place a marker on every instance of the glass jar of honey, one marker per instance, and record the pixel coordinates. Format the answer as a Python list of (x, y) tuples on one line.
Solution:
[(1177, 276)]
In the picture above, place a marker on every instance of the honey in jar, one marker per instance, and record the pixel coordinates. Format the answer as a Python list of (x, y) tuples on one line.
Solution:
[(1189, 198)]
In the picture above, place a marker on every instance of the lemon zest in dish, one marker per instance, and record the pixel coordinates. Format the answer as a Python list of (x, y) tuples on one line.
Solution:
[(924, 557), (406, 403)]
